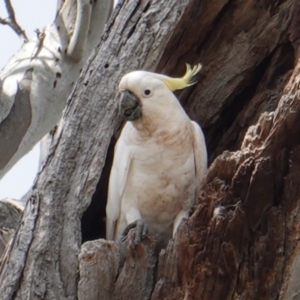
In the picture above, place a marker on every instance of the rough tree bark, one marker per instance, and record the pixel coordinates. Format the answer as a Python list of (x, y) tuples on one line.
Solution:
[(10, 214), (36, 82), (242, 239)]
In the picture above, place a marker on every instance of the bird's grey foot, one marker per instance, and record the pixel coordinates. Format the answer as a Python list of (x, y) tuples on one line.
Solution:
[(141, 231)]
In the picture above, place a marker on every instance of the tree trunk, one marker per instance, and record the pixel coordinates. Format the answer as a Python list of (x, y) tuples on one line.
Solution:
[(36, 82), (241, 241)]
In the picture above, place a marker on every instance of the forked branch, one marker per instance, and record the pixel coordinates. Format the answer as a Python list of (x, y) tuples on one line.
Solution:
[(12, 22)]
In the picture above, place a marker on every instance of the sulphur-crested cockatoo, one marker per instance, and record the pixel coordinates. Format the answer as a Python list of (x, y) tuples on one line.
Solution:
[(160, 159)]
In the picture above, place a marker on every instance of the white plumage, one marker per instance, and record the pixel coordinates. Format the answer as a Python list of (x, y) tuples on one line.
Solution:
[(160, 158)]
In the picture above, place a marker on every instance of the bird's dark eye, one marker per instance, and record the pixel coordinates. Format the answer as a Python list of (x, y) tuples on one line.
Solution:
[(147, 92)]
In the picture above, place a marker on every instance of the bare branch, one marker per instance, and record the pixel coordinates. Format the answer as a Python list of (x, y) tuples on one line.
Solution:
[(40, 41), (12, 22)]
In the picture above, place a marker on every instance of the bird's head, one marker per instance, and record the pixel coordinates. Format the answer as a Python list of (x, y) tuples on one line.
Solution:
[(141, 90)]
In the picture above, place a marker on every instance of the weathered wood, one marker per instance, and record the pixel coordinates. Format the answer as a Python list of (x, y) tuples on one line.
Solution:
[(99, 263), (10, 215), (239, 250), (106, 274), (247, 57), (50, 259)]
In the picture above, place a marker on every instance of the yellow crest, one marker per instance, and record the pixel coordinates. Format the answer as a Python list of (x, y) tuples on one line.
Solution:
[(180, 83)]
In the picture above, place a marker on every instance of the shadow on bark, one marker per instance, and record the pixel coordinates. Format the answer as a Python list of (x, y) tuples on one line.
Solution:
[(235, 243)]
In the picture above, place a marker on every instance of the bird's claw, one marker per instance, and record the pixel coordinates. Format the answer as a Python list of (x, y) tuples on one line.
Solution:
[(141, 231)]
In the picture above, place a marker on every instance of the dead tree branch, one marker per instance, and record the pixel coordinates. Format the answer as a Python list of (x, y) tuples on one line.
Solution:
[(12, 22)]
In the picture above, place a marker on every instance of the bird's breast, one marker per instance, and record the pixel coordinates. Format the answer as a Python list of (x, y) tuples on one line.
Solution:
[(161, 176), (162, 188)]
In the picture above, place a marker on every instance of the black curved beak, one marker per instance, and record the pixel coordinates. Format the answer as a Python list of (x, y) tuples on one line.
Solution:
[(130, 106)]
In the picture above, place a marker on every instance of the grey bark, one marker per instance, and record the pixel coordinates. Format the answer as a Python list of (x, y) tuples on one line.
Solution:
[(10, 214), (242, 239), (102, 278), (37, 80), (51, 221)]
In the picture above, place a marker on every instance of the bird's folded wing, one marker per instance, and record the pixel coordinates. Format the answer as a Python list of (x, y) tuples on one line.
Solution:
[(117, 182), (200, 153)]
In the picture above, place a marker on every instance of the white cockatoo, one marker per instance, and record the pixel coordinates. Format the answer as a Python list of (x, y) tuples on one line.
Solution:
[(160, 159)]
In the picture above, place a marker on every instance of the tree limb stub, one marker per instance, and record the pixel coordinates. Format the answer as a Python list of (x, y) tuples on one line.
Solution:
[(100, 262)]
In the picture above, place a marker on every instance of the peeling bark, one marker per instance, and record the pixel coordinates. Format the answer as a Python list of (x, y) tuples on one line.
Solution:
[(133, 281)]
